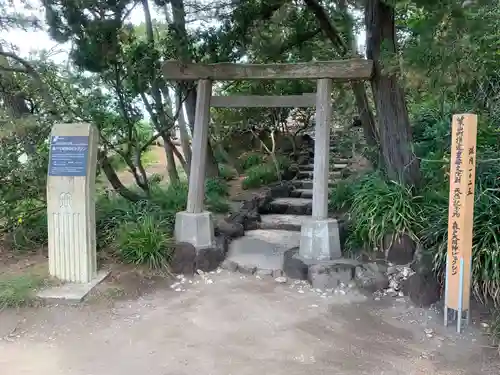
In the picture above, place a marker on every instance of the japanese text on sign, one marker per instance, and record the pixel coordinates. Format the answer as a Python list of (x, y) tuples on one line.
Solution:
[(68, 156)]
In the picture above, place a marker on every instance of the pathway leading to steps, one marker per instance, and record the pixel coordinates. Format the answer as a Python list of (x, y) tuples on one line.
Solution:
[(264, 249), (231, 324)]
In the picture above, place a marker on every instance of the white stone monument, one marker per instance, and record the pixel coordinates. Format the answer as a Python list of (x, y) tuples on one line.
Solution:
[(71, 211)]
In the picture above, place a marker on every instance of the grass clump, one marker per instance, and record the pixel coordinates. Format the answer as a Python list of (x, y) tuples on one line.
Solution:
[(264, 174), (227, 172), (145, 242), (378, 208), (259, 175), (251, 159), (18, 291), (141, 232)]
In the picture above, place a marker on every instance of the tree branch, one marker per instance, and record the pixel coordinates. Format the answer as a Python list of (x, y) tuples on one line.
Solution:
[(328, 28), (38, 79), (299, 40)]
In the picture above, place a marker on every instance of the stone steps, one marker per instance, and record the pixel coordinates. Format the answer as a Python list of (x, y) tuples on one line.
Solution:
[(282, 222), (261, 250), (302, 193), (308, 184), (308, 175), (333, 167), (291, 206)]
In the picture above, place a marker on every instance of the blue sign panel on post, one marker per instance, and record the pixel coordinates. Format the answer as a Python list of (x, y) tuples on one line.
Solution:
[(68, 155)]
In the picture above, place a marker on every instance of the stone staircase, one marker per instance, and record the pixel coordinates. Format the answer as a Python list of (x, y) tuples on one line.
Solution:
[(264, 250)]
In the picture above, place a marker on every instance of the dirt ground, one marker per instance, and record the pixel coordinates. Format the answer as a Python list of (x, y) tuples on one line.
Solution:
[(233, 324)]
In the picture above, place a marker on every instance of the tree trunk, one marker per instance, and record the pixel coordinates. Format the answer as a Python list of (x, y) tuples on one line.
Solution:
[(347, 50), (185, 139), (173, 175), (395, 136), (15, 103), (179, 157), (179, 28), (114, 180)]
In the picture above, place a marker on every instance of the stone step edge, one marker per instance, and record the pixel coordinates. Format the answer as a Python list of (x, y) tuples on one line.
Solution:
[(232, 266)]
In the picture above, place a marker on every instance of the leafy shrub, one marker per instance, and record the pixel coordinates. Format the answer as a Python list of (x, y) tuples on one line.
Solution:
[(227, 172), (30, 232), (485, 243), (115, 211), (251, 159), (216, 186), (145, 242), (260, 175), (217, 203), (379, 208), (342, 195)]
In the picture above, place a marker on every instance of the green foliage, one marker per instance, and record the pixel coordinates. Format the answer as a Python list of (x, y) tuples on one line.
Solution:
[(17, 291), (342, 195), (227, 172), (217, 204), (144, 242), (380, 208), (216, 193), (266, 173), (29, 233), (259, 175), (217, 187), (485, 243), (251, 159), (115, 211)]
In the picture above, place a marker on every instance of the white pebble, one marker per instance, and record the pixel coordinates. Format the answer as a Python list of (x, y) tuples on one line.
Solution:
[(300, 291), (209, 281), (281, 279), (178, 289)]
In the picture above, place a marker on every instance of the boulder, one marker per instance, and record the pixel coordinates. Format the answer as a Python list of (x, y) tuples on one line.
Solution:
[(329, 276), (209, 259), (422, 289), (229, 229), (293, 267), (183, 259), (370, 278), (399, 248)]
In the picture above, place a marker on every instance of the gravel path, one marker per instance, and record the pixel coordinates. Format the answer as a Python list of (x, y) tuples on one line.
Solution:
[(224, 324)]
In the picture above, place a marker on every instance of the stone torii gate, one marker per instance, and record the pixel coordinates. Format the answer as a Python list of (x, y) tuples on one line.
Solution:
[(319, 235)]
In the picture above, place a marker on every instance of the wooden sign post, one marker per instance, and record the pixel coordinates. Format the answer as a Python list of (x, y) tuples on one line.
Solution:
[(460, 218)]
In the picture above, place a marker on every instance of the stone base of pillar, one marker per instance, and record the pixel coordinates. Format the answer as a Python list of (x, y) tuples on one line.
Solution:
[(71, 293), (196, 229), (320, 240)]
